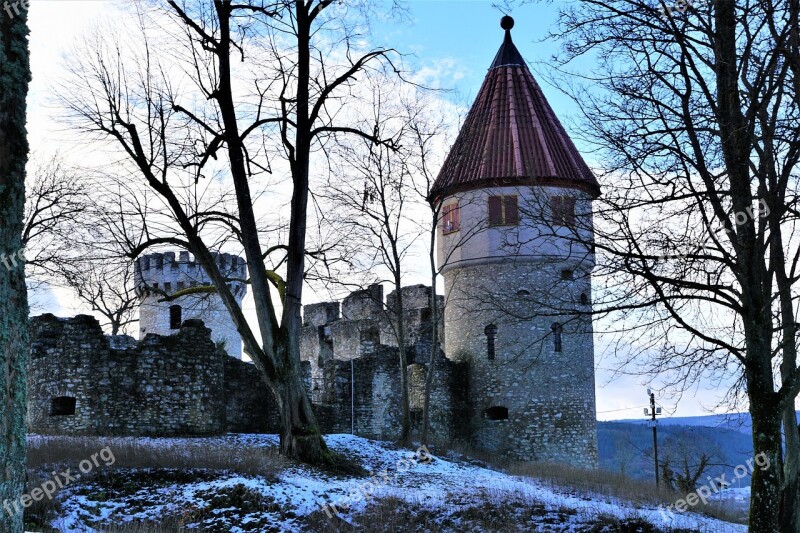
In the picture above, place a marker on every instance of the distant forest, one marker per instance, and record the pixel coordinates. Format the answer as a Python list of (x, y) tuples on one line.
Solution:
[(627, 447)]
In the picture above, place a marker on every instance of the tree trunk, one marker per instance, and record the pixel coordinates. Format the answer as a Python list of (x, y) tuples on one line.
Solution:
[(426, 415), (14, 78), (405, 427), (790, 491), (766, 418), (789, 516), (300, 434)]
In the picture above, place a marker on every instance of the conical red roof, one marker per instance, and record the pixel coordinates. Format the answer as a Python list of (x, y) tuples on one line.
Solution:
[(511, 136)]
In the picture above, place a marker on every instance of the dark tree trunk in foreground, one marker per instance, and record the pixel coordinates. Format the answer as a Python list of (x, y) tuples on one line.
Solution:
[(14, 78)]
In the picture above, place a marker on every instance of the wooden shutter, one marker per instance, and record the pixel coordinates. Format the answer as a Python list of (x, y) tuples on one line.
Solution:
[(450, 218), (495, 211), (569, 212), (511, 211), (556, 210)]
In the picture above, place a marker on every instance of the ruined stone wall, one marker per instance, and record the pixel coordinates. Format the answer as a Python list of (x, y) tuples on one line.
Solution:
[(163, 386), (84, 383), (366, 319), (249, 406), (449, 404), (358, 352), (376, 411)]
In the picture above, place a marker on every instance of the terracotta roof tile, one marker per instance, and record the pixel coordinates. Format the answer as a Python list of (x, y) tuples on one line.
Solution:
[(512, 135)]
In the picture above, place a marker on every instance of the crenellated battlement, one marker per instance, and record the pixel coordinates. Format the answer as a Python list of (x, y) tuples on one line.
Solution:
[(162, 272)]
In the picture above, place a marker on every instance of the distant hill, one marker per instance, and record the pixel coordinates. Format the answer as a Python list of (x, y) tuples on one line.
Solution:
[(627, 446), (734, 421)]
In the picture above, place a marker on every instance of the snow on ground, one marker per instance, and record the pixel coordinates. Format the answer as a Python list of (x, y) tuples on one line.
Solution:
[(444, 487)]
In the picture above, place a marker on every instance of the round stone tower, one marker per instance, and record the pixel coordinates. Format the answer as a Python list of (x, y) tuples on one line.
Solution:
[(159, 275), (515, 247)]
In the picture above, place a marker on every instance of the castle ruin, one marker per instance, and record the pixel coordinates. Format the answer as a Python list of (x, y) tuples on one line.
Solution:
[(158, 276), (514, 374)]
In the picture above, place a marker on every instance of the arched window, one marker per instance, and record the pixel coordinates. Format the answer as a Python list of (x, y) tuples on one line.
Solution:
[(557, 329), (496, 412), (584, 299), (175, 317), (491, 332)]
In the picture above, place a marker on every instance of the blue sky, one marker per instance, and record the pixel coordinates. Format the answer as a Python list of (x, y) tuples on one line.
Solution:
[(465, 35)]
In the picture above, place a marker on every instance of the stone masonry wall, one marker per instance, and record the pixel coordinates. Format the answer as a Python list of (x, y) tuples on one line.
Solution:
[(162, 386), (376, 410), (549, 395), (249, 406), (357, 351)]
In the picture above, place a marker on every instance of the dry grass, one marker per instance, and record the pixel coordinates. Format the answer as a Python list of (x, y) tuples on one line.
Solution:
[(57, 453), (167, 525), (130, 453), (387, 514), (395, 515), (610, 485)]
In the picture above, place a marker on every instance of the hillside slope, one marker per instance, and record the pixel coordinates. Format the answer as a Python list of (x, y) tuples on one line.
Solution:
[(414, 491)]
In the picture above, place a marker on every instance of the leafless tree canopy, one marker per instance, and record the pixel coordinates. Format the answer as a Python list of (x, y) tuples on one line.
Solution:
[(693, 110), (226, 127)]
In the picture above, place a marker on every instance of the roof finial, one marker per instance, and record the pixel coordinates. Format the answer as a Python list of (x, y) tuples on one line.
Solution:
[(507, 23)]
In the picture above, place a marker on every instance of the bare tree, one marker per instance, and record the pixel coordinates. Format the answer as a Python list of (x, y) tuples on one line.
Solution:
[(171, 137), (691, 456), (694, 112), (105, 284), (70, 239), (14, 78), (57, 200), (372, 190), (428, 130)]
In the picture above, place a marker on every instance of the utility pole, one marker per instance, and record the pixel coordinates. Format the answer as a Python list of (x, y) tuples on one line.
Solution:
[(652, 412)]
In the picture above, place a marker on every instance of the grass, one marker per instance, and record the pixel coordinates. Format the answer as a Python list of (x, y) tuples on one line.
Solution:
[(163, 464), (603, 483), (128, 453)]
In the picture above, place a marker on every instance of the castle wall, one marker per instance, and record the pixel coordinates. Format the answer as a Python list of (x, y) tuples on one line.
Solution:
[(358, 351), (160, 274), (249, 406), (375, 413), (549, 395), (183, 385), (162, 386)]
